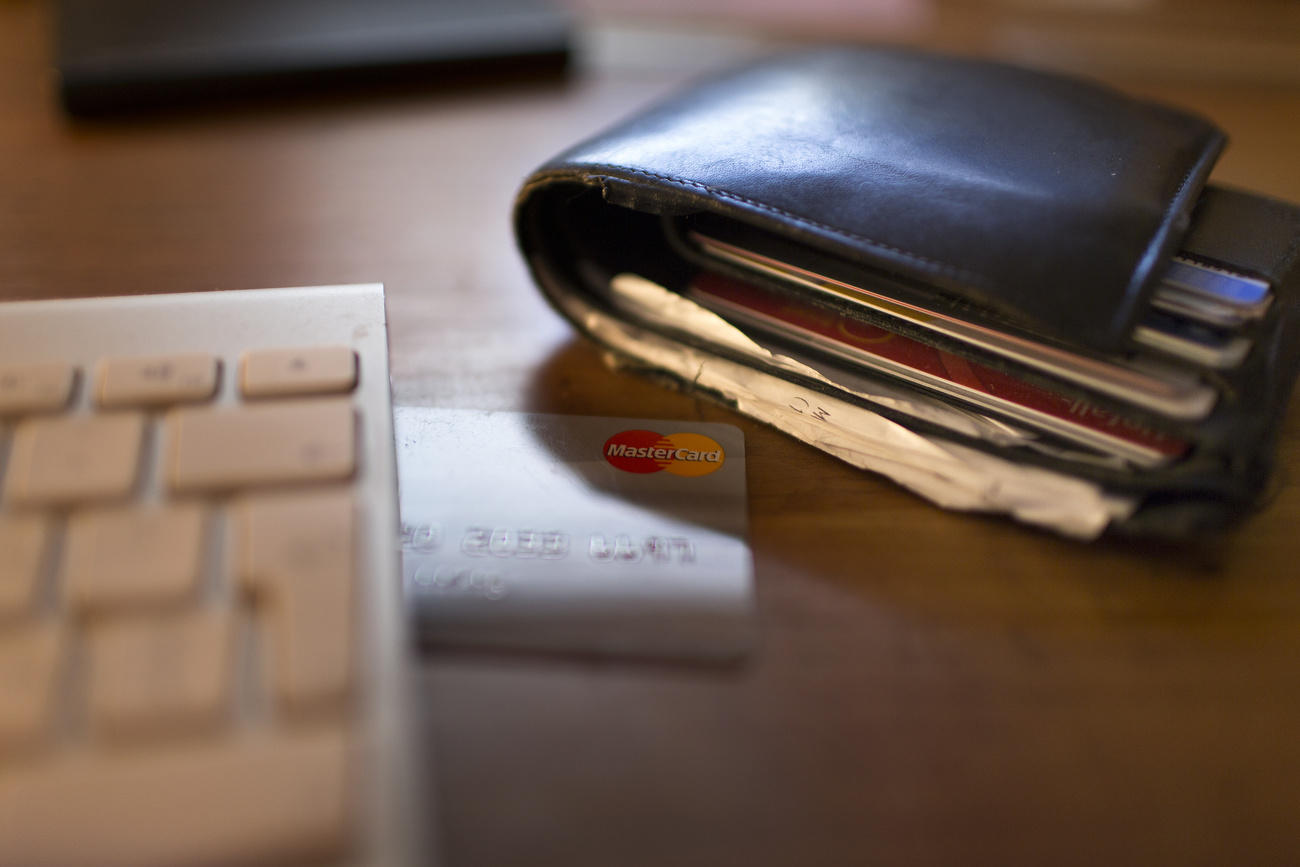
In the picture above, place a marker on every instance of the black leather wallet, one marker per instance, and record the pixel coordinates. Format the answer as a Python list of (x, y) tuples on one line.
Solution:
[(849, 197)]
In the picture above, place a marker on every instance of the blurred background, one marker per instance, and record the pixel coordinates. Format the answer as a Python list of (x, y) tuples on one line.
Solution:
[(969, 693), (1251, 40)]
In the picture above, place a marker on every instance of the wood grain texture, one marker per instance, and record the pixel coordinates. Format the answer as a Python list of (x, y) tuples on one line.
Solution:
[(930, 688)]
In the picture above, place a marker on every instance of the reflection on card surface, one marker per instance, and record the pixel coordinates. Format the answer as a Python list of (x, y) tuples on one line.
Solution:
[(575, 534)]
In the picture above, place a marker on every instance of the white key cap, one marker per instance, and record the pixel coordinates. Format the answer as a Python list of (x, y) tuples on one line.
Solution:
[(233, 801), (297, 558), (35, 387), (65, 460), (156, 380), (29, 668), (22, 544), (308, 440), (160, 671), (125, 555), (304, 370)]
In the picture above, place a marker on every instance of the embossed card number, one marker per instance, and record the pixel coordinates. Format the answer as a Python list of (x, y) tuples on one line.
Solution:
[(496, 542), (551, 544)]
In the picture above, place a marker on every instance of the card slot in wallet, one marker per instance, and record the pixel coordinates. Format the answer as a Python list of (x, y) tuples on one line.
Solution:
[(1029, 205), (1144, 386)]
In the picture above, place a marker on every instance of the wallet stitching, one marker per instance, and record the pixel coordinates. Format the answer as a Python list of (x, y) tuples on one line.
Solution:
[(1182, 186), (970, 277)]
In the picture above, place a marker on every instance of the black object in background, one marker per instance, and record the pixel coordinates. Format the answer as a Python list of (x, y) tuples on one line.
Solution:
[(121, 56)]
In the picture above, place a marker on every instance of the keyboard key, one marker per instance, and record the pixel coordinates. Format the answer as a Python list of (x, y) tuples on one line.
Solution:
[(296, 558), (312, 641), (22, 543), (160, 671), (70, 459), (306, 370), (237, 801), (158, 708), (35, 387), (29, 666), (123, 555), (156, 380), (216, 449)]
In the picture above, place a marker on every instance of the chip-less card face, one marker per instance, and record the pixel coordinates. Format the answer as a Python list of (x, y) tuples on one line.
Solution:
[(575, 534)]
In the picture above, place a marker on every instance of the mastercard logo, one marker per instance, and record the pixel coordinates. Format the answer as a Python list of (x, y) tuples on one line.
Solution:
[(682, 454)]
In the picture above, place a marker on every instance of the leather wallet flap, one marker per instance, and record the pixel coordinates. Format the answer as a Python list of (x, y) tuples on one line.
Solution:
[(1047, 200)]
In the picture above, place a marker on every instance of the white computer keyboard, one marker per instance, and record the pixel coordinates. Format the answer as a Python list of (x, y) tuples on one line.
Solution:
[(201, 642)]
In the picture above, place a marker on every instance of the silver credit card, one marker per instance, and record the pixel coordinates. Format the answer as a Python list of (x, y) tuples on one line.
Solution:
[(1250, 295), (575, 534), (1148, 384)]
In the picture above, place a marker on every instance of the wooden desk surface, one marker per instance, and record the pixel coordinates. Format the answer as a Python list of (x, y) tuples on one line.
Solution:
[(930, 688)]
